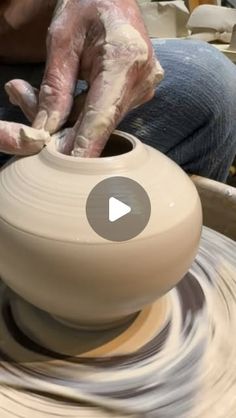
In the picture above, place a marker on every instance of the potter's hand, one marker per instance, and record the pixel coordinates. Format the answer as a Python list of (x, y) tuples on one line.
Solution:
[(20, 139), (16, 138), (23, 28), (105, 43)]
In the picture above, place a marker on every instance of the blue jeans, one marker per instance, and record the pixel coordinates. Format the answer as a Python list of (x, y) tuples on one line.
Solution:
[(192, 117)]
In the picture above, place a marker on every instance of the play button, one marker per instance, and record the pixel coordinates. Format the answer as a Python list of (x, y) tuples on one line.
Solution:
[(118, 209)]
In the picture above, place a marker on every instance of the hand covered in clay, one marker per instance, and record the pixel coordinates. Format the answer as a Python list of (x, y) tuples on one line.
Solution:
[(105, 43), (101, 41), (23, 30)]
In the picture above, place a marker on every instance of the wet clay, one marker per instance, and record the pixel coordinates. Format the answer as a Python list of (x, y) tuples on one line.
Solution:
[(185, 366), (98, 282)]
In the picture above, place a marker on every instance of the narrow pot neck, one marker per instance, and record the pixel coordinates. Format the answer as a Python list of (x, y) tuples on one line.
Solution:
[(135, 156)]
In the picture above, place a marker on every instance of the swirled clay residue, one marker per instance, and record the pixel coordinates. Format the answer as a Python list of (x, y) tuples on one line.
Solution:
[(186, 370)]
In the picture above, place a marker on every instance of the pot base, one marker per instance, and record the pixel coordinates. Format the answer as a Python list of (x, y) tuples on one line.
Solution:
[(48, 335), (124, 321), (176, 358)]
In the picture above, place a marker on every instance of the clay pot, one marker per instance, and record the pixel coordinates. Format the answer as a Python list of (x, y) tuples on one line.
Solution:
[(50, 255)]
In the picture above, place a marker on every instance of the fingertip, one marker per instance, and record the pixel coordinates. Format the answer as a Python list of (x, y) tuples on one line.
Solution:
[(32, 140), (48, 122), (22, 94), (7, 86), (89, 148), (40, 120), (64, 141), (9, 89), (79, 152), (53, 122), (32, 135)]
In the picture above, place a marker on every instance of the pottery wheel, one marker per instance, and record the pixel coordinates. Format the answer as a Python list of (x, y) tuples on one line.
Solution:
[(176, 359)]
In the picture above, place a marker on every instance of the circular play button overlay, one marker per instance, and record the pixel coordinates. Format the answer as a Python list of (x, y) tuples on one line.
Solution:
[(118, 209)]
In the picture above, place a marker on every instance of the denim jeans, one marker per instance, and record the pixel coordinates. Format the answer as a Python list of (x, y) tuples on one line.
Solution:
[(192, 117)]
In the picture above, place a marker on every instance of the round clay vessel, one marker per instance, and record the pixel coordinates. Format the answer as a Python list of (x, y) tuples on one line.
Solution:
[(50, 255)]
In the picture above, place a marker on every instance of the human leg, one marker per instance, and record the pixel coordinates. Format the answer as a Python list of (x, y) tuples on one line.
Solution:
[(192, 117)]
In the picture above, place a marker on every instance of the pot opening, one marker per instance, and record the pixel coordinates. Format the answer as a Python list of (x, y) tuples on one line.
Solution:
[(117, 145)]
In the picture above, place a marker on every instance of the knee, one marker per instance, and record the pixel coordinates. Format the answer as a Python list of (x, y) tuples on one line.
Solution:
[(201, 78), (215, 79)]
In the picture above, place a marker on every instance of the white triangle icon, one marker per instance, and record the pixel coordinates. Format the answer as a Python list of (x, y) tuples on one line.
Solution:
[(117, 209)]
